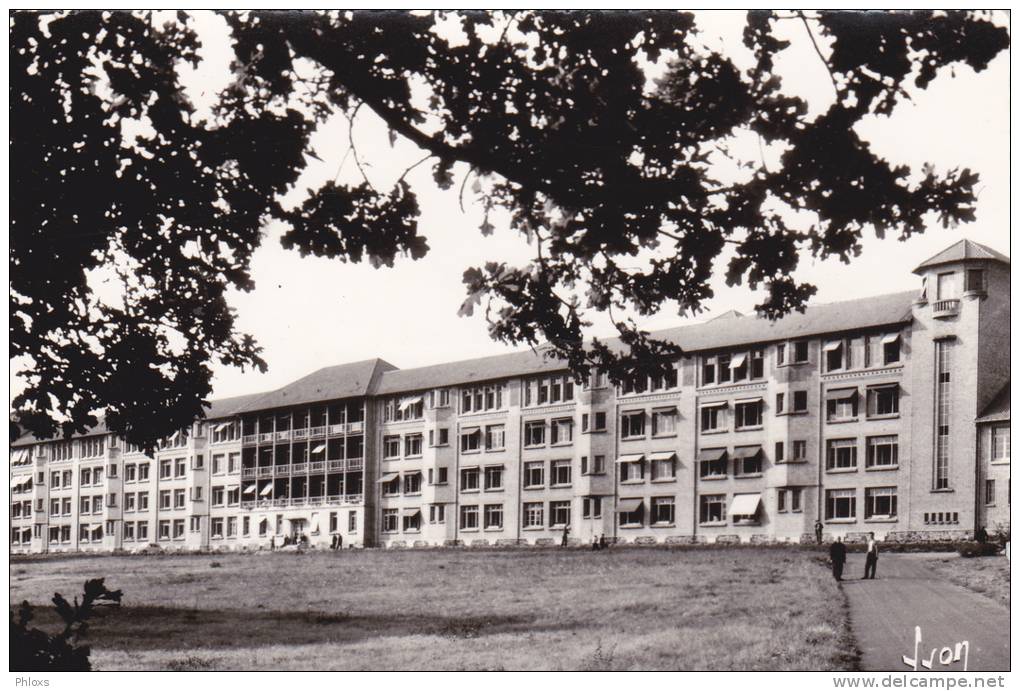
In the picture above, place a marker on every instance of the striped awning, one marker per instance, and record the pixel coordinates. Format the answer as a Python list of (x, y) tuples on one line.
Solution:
[(629, 505)]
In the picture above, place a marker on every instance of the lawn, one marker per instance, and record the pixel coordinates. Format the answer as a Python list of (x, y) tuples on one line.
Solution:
[(627, 608), (986, 575)]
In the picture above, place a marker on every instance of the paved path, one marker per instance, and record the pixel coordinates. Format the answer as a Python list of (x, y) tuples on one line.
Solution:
[(908, 593)]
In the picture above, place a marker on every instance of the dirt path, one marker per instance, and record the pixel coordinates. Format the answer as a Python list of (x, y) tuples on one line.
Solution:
[(907, 593)]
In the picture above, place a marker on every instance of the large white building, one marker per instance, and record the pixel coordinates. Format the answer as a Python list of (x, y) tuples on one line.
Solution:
[(887, 414)]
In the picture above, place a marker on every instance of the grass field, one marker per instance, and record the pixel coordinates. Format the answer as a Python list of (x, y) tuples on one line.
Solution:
[(986, 575), (734, 608)]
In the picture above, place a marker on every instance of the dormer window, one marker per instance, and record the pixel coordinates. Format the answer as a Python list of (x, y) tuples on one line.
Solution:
[(975, 281)]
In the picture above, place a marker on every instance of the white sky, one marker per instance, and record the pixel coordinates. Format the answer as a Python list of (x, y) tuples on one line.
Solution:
[(309, 313)]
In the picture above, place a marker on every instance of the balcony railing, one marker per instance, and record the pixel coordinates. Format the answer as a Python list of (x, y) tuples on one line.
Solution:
[(283, 436), (300, 434), (315, 432), (350, 464), (266, 436), (249, 438), (940, 309), (316, 466), (283, 502)]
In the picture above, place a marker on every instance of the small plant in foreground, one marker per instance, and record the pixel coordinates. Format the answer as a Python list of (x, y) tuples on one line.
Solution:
[(34, 650)]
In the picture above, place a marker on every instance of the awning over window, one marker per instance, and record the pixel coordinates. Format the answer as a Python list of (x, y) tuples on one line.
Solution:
[(752, 399), (96, 529), (715, 404), (469, 430), (890, 338), (711, 454), (662, 456), (18, 483), (415, 472), (319, 449), (409, 402), (738, 360), (745, 505), (388, 477), (629, 505), (267, 490), (742, 452), (264, 521), (412, 511), (18, 455), (840, 394), (832, 345), (250, 489), (222, 426), (631, 458)]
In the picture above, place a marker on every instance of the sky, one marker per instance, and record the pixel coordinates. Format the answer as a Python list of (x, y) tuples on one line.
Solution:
[(309, 313)]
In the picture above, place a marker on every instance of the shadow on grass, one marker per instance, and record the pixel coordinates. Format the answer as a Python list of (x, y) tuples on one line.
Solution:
[(162, 628)]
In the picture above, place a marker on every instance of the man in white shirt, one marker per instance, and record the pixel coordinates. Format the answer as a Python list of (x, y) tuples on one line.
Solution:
[(871, 558)]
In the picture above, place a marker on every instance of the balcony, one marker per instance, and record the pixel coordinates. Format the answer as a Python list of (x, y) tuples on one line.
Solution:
[(266, 437), (249, 439), (284, 503), (943, 309), (283, 436), (299, 434), (317, 432)]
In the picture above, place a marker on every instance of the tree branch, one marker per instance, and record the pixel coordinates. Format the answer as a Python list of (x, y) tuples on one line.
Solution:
[(821, 57)]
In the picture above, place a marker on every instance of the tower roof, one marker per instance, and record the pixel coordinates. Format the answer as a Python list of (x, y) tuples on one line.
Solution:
[(962, 251)]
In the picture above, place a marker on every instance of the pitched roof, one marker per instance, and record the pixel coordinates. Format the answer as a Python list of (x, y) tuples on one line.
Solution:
[(728, 330), (326, 384), (226, 407), (962, 250), (467, 371), (27, 439), (998, 409)]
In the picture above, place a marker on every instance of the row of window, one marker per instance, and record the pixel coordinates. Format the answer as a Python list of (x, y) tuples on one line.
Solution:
[(879, 503), (304, 418)]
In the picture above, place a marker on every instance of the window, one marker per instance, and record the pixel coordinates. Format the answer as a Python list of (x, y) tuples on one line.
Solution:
[(441, 475), (63, 450), (86, 477), (591, 507), (712, 508), (494, 477), (664, 422), (780, 455), (92, 447), (166, 469), (180, 468), (468, 517), (561, 431), (946, 287), (389, 520), (632, 425), (218, 495), (713, 417), (397, 409), (799, 450), (548, 390), (780, 403), (412, 521), (218, 465), (54, 480), (632, 469), (198, 461), (559, 513), (833, 355), (989, 492), (799, 401), (164, 529), (943, 408), (391, 446), (481, 398), (179, 498), (1000, 444), (663, 510), (840, 504), (707, 371), (534, 474), (747, 461), (841, 454), (129, 531), (68, 478), (471, 439), (437, 513), (54, 507), (800, 351), (534, 433), (663, 468), (493, 516), (891, 349), (412, 445), (65, 506), (598, 465), (883, 452), (712, 463), (534, 515), (975, 281), (352, 521), (780, 354), (884, 400), (748, 414), (495, 437), (880, 502), (599, 420), (788, 500), (469, 480), (246, 526), (143, 501), (559, 473), (165, 499), (841, 405), (412, 483), (444, 436), (724, 374), (143, 472), (757, 363), (392, 486)]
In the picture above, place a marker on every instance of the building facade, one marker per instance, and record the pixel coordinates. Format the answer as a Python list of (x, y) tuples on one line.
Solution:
[(887, 414)]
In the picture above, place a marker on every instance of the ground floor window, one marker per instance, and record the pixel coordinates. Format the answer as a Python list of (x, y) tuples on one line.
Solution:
[(216, 527), (631, 512), (788, 500), (559, 513), (989, 492), (591, 507), (352, 522), (437, 513), (412, 521), (389, 520), (712, 508), (663, 510), (493, 516), (534, 515), (469, 518), (840, 503), (880, 502)]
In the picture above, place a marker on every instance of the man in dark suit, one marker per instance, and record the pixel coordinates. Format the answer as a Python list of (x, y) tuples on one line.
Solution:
[(871, 557), (837, 555)]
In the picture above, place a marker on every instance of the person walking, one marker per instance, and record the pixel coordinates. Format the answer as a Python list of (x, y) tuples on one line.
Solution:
[(594, 544), (818, 532), (339, 541), (837, 555), (566, 531), (602, 542), (871, 558)]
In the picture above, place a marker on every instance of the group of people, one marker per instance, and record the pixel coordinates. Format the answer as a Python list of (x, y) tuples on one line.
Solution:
[(337, 542), (837, 556)]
